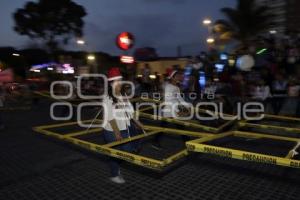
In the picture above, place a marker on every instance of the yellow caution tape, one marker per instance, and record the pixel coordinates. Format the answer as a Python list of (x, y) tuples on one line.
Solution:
[(108, 149), (176, 157), (242, 155), (282, 117), (180, 122), (269, 127), (198, 146), (260, 135), (129, 157)]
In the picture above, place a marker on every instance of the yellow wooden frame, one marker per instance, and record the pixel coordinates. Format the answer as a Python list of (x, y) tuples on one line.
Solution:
[(198, 146), (107, 149)]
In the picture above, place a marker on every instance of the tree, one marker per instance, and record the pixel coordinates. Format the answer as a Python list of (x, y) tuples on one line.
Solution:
[(55, 22), (244, 23)]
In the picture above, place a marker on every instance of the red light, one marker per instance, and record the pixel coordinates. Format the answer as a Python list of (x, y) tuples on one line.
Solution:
[(127, 59), (125, 41)]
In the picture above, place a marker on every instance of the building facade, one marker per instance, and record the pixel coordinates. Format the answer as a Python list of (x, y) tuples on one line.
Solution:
[(286, 15)]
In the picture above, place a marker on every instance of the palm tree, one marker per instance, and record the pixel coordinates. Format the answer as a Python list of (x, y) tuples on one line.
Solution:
[(244, 23)]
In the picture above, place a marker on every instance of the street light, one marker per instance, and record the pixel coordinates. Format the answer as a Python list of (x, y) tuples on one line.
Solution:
[(16, 54), (273, 32), (206, 22), (91, 57), (80, 42), (210, 40)]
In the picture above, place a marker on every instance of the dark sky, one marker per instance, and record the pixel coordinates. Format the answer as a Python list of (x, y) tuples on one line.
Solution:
[(162, 24)]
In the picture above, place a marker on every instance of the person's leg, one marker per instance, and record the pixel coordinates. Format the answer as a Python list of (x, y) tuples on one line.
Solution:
[(112, 162), (133, 131), (129, 146)]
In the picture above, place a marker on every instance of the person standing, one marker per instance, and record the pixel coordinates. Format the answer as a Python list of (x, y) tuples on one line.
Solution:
[(119, 122), (262, 93), (293, 99), (146, 78), (172, 96), (279, 93)]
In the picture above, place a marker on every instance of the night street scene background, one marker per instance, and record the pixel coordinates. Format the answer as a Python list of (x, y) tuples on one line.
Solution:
[(150, 99)]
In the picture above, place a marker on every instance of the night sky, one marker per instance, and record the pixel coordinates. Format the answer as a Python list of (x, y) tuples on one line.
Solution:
[(162, 24)]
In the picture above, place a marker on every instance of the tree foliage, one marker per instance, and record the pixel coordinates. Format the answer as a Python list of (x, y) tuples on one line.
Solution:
[(55, 22), (245, 22)]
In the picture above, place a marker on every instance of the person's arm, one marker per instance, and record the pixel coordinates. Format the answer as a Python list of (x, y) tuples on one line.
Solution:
[(138, 123), (109, 117), (186, 109), (115, 129), (266, 93), (179, 97)]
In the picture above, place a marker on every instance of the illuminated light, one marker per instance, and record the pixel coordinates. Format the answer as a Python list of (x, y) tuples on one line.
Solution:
[(140, 75), (40, 66), (66, 65), (219, 67), (81, 42), (261, 51), (206, 21), (224, 56), (50, 68), (272, 31), (125, 41), (16, 54), (91, 57), (152, 76), (231, 62), (37, 70), (127, 59), (68, 71), (245, 62), (210, 40)]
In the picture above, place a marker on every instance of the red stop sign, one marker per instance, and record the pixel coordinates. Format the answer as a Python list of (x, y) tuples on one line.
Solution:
[(125, 40)]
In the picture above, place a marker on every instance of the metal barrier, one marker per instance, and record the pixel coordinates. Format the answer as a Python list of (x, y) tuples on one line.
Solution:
[(199, 146)]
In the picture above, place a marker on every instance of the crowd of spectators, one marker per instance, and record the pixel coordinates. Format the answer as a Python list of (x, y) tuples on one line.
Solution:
[(274, 80)]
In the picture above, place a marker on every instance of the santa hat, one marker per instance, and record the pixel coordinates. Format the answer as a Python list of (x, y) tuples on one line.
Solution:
[(171, 74), (114, 74)]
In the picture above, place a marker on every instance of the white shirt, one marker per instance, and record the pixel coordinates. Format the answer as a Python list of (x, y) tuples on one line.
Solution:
[(171, 97), (121, 111), (261, 92)]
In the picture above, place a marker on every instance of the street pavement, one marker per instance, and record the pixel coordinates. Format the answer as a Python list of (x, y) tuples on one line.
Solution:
[(37, 167)]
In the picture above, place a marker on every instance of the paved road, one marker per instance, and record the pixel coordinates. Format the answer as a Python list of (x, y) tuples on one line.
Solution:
[(36, 167)]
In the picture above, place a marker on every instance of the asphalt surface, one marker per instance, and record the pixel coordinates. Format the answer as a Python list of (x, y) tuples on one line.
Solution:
[(37, 167)]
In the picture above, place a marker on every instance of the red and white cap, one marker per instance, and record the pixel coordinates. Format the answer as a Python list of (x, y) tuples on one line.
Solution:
[(114, 74), (171, 74)]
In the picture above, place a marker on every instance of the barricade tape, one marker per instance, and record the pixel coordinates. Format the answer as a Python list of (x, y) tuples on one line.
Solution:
[(198, 146), (108, 149)]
